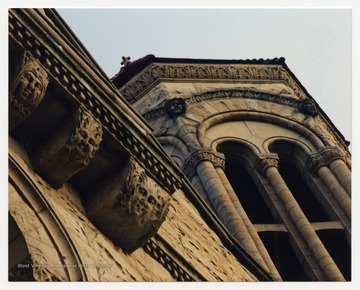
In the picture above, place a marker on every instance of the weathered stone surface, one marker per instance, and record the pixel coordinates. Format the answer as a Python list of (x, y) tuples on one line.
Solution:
[(185, 230), (129, 207), (69, 149)]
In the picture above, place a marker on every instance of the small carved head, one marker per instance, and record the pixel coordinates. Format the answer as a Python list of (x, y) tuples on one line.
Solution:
[(175, 107), (86, 140), (30, 85), (309, 107)]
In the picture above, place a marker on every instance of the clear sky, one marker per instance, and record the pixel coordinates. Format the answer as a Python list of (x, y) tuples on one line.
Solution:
[(316, 43)]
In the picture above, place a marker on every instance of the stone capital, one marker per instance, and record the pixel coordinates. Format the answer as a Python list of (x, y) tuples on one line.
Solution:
[(323, 158), (267, 160), (201, 154)]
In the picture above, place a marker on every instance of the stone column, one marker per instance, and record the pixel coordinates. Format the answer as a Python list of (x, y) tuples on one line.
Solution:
[(203, 162), (329, 166), (268, 166), (259, 244)]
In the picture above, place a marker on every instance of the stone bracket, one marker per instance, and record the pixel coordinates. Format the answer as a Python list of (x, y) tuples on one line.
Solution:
[(68, 150), (128, 207)]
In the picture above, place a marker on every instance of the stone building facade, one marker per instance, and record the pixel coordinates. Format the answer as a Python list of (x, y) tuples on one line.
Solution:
[(173, 170)]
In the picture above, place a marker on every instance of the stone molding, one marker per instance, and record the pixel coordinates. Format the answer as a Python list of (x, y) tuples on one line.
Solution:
[(201, 154), (267, 160), (309, 107), (133, 89), (238, 93), (69, 80), (323, 158), (176, 271)]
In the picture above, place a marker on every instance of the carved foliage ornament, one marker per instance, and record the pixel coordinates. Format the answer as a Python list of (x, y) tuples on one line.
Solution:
[(133, 89), (29, 87), (322, 158), (265, 162), (201, 154)]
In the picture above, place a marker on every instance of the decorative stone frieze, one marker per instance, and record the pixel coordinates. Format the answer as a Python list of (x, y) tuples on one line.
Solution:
[(266, 161), (129, 208), (28, 89), (323, 158), (175, 107), (69, 150), (133, 89), (68, 78), (309, 107), (176, 271), (200, 154)]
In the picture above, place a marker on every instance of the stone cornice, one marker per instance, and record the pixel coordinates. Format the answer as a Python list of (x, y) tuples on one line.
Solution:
[(94, 99), (133, 90), (201, 154), (323, 158)]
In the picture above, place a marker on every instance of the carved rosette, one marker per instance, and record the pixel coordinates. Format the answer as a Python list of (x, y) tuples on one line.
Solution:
[(28, 89), (201, 154), (323, 158), (61, 158), (264, 162)]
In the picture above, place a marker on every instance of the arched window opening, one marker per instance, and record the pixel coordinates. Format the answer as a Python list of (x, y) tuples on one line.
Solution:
[(248, 194), (238, 160), (292, 158), (283, 256), (301, 192), (335, 242)]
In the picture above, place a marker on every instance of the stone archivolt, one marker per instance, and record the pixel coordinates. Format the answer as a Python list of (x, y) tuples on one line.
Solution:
[(157, 71), (201, 154), (301, 105)]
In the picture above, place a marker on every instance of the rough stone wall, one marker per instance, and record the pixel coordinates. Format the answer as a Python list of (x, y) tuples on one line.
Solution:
[(187, 232), (184, 229)]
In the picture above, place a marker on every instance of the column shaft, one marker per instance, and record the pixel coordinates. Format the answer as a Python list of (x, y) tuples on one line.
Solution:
[(259, 244), (336, 189), (225, 209), (320, 253), (342, 173)]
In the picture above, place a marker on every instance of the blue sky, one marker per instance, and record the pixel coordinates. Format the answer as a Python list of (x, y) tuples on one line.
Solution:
[(316, 43)]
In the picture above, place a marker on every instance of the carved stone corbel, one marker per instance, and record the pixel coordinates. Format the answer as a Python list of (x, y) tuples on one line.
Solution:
[(128, 207), (309, 107), (175, 107), (27, 90), (68, 150), (200, 154), (322, 158), (266, 161)]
